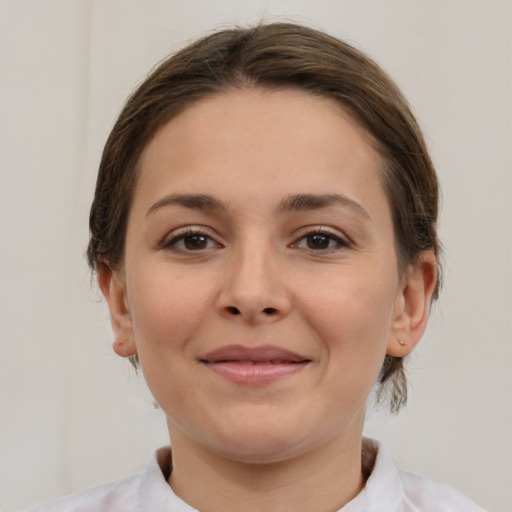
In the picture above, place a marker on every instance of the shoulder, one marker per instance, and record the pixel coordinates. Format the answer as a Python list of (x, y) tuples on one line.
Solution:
[(117, 495), (420, 493), (141, 492), (387, 489)]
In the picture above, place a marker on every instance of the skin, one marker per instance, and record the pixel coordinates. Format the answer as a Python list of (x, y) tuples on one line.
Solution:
[(319, 278)]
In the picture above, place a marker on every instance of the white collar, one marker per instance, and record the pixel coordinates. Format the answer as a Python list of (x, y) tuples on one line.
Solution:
[(383, 490)]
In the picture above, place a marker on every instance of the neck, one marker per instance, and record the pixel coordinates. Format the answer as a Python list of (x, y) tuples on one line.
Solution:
[(323, 479)]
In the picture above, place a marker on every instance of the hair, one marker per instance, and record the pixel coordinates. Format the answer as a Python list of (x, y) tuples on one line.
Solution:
[(277, 56)]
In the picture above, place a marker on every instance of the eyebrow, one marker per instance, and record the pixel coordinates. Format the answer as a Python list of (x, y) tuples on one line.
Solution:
[(302, 202), (296, 202), (194, 201)]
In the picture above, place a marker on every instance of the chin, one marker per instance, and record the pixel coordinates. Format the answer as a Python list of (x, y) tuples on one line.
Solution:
[(265, 452), (263, 444)]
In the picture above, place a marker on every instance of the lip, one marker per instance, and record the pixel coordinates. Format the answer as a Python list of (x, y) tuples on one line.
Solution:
[(254, 365)]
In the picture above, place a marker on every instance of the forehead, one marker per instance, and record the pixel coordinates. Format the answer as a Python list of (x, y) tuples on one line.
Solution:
[(240, 130)]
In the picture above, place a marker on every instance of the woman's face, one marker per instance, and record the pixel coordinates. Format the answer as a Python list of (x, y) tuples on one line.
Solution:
[(260, 287)]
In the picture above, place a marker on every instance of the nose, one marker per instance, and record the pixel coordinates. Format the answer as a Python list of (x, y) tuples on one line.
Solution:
[(254, 288)]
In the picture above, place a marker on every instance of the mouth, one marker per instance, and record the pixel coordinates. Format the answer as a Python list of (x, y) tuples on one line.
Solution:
[(254, 366)]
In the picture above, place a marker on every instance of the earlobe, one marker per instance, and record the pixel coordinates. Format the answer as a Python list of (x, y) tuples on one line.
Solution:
[(113, 287), (412, 306)]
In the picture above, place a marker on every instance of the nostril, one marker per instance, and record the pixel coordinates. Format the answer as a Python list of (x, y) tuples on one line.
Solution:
[(270, 311), (233, 310)]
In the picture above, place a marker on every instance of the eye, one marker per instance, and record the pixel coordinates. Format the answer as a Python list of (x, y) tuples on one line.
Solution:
[(190, 241), (321, 241)]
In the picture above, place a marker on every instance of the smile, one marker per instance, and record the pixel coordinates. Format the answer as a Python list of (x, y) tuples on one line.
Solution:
[(254, 366)]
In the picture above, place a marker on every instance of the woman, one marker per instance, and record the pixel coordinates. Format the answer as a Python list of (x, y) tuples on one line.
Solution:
[(264, 232)]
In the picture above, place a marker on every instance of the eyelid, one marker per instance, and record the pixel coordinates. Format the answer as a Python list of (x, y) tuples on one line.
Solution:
[(343, 240), (173, 237), (170, 240)]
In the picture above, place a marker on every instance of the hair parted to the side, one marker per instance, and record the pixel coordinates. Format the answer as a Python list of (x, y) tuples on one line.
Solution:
[(277, 56)]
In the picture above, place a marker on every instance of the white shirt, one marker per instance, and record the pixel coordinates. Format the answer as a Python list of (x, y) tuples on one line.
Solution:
[(386, 490)]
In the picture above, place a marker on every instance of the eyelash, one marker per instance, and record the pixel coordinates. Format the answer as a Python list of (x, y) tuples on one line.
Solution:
[(339, 242), (189, 232), (182, 235)]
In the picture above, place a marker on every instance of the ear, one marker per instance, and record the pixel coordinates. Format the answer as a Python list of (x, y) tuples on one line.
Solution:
[(113, 287), (412, 306)]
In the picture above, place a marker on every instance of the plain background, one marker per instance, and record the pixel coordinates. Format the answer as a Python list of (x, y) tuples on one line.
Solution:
[(72, 414)]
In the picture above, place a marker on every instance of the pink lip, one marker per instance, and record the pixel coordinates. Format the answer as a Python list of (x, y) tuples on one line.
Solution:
[(254, 366)]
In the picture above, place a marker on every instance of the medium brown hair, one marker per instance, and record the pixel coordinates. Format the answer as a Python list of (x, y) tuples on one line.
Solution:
[(277, 56)]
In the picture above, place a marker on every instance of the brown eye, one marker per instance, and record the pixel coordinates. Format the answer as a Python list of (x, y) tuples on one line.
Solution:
[(190, 241), (195, 242), (318, 241), (321, 241)]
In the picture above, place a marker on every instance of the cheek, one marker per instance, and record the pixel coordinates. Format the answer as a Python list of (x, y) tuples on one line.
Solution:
[(168, 311), (352, 317), (167, 308), (352, 312)]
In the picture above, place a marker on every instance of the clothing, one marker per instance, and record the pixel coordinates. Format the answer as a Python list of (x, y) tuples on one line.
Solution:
[(386, 490)]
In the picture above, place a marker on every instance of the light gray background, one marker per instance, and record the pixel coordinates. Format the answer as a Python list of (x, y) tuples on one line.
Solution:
[(71, 413)]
